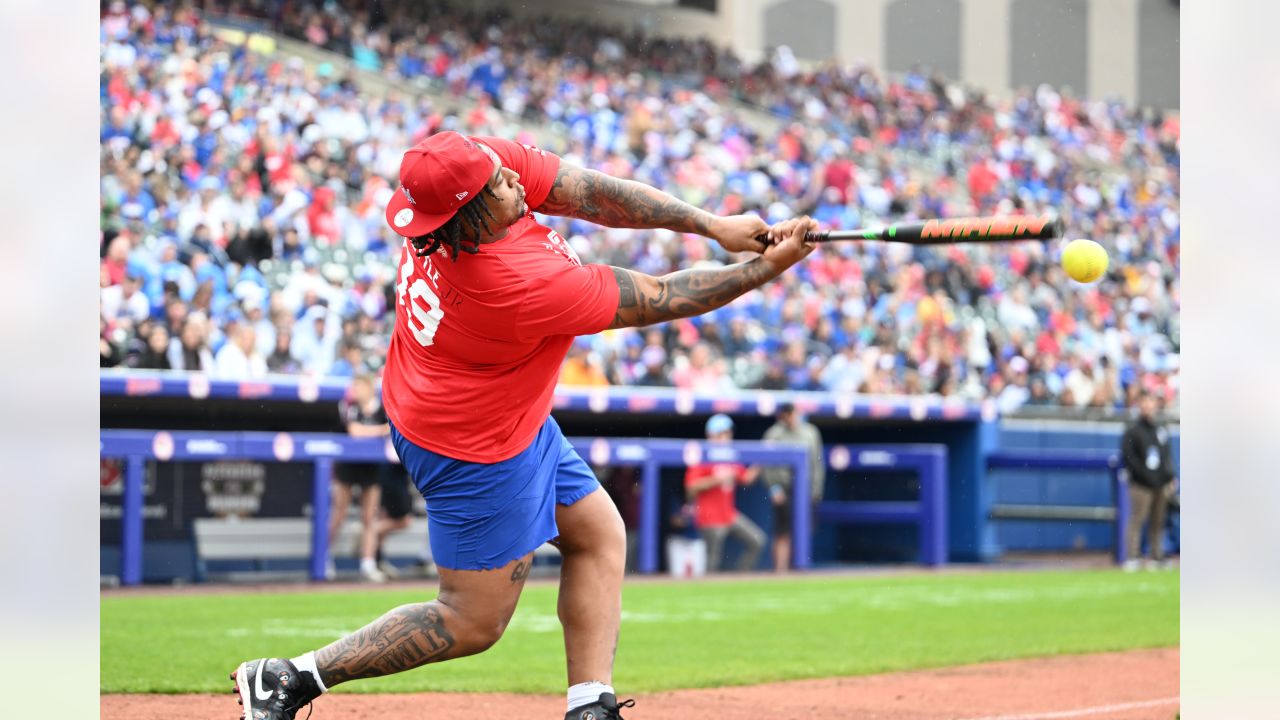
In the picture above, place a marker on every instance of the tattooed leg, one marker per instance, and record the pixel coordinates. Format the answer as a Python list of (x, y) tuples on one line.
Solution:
[(520, 572), (468, 617), (409, 636), (593, 549)]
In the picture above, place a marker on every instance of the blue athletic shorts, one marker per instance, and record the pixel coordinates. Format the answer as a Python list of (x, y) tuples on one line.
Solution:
[(482, 516)]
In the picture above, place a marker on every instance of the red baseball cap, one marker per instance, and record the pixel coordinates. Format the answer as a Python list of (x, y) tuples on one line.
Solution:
[(437, 176)]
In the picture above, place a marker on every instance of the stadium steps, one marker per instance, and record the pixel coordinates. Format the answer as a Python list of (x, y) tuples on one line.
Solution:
[(370, 83), (380, 85)]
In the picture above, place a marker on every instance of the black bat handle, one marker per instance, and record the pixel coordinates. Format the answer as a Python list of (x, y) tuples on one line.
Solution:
[(823, 236)]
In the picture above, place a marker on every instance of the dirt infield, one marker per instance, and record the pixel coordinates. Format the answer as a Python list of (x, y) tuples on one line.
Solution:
[(1133, 685)]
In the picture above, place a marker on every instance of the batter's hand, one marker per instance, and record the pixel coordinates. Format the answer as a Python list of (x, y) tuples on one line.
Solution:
[(738, 233), (789, 246)]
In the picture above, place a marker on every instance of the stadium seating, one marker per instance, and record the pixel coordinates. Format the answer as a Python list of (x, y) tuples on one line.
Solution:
[(241, 189)]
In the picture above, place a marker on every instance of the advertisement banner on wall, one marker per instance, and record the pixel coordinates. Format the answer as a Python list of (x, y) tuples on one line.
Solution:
[(176, 493)]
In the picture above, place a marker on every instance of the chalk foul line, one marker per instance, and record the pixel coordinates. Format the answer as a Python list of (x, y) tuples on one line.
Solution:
[(1084, 712)]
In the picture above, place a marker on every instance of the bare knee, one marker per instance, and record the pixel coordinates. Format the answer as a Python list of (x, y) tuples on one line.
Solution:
[(483, 633), (475, 630), (602, 534), (613, 534)]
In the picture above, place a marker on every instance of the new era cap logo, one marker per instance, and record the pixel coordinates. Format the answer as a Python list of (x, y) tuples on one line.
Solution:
[(461, 195)]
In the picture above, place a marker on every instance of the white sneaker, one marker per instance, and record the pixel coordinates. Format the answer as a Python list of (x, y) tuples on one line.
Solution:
[(330, 570), (370, 572), (391, 571), (1131, 566)]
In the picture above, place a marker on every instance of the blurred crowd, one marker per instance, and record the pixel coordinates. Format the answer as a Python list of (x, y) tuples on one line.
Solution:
[(242, 198)]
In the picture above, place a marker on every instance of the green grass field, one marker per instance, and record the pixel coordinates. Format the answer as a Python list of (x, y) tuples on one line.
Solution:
[(674, 635)]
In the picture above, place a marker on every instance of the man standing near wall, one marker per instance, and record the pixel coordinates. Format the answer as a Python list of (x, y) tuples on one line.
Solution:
[(364, 417), (712, 487), (1149, 462), (793, 430)]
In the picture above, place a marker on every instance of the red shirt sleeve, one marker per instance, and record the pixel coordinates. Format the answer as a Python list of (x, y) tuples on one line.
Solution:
[(580, 300), (696, 473), (537, 168)]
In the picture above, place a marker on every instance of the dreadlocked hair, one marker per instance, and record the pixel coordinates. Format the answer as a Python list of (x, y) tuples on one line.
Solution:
[(462, 231)]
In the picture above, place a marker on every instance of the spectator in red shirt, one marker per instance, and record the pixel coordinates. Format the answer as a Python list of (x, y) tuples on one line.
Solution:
[(982, 182), (710, 486), (117, 259), (321, 219)]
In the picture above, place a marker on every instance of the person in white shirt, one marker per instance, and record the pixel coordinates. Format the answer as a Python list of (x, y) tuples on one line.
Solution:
[(126, 300), (315, 340), (1014, 312), (1081, 380), (239, 359), (207, 209), (264, 329), (1016, 393), (844, 371)]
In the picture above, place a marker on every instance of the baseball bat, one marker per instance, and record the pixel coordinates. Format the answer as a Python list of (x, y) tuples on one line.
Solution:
[(956, 230)]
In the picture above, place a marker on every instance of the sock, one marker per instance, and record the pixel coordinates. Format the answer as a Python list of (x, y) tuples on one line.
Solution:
[(307, 663), (368, 565), (586, 693)]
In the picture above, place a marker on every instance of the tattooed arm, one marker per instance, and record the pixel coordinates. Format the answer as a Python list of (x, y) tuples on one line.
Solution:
[(614, 202), (645, 300)]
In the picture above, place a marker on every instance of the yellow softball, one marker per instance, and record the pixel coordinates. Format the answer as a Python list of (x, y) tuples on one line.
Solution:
[(1084, 260)]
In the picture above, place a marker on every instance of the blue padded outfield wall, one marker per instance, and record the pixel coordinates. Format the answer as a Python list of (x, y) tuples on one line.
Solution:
[(1058, 487)]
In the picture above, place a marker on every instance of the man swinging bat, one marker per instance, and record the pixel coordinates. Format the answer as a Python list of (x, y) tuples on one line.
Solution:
[(488, 304)]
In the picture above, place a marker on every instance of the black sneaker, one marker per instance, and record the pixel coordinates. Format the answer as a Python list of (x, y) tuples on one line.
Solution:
[(273, 689), (606, 708)]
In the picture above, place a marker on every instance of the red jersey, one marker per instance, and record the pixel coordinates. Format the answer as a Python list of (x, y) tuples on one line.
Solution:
[(715, 507), (478, 343)]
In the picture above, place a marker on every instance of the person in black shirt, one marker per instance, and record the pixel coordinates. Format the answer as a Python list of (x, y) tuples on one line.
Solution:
[(363, 416), (397, 510), (107, 349), (1149, 461), (281, 360), (654, 373), (156, 354)]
